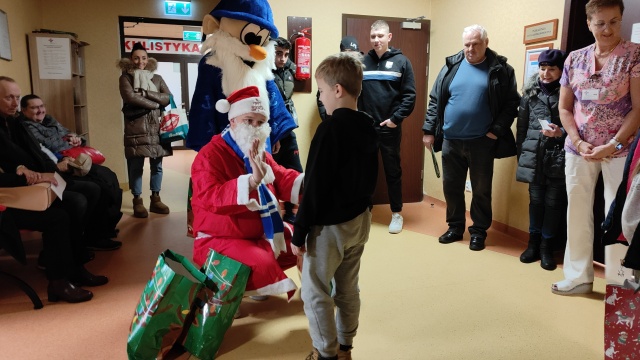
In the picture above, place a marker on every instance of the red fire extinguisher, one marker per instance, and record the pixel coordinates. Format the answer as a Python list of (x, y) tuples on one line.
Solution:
[(303, 55)]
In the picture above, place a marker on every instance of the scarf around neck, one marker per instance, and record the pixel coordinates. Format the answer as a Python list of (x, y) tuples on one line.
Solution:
[(271, 220), (142, 80)]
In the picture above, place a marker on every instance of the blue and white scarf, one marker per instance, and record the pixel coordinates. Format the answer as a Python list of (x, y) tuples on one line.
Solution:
[(269, 214)]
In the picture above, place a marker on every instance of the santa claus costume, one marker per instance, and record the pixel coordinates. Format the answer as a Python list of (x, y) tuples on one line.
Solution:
[(232, 219)]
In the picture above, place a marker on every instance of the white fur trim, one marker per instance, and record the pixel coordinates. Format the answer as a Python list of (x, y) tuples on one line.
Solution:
[(223, 106), (243, 193), (269, 177), (281, 287), (248, 105), (295, 190)]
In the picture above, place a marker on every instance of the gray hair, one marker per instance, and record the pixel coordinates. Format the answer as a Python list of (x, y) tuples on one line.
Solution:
[(475, 28)]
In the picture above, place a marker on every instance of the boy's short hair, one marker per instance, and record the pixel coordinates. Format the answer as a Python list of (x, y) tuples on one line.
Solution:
[(380, 25), (343, 68), (283, 43)]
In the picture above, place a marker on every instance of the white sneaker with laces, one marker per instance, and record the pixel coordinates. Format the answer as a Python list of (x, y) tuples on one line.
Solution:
[(396, 223)]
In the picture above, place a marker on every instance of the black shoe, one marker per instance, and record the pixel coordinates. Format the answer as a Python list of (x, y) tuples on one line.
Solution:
[(449, 237), (104, 244), (62, 289), (477, 243), (84, 278)]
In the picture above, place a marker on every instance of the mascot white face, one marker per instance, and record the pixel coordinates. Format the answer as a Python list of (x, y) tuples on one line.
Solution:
[(243, 51)]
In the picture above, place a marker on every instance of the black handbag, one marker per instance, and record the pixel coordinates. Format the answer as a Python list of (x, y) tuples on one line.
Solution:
[(132, 112), (553, 162)]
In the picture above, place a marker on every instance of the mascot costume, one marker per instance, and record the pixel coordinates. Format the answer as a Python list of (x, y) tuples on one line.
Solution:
[(238, 52)]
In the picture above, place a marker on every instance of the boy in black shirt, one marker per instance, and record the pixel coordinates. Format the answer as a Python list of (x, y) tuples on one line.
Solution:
[(334, 218)]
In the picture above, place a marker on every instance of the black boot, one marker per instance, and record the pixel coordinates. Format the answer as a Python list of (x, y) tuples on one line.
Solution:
[(533, 250), (547, 261)]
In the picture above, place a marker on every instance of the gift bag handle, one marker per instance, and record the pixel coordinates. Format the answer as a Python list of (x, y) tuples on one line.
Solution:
[(194, 271), (172, 102)]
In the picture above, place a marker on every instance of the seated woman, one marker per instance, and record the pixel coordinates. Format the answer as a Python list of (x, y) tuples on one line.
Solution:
[(56, 138)]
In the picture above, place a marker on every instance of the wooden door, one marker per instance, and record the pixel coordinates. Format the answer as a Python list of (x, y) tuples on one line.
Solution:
[(414, 44)]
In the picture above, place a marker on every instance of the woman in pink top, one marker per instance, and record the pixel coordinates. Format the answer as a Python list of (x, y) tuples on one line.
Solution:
[(600, 111)]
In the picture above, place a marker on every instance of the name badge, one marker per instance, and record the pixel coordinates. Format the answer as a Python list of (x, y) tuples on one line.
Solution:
[(590, 94)]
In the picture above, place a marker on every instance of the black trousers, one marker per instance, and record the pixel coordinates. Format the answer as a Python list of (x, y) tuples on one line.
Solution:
[(389, 145), (61, 227), (547, 208), (475, 156)]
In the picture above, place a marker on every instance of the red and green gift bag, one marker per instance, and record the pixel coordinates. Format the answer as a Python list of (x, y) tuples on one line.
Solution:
[(621, 323), (216, 316), (166, 305)]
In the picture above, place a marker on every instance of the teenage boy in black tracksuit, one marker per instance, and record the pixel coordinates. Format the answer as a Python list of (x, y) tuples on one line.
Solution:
[(388, 95)]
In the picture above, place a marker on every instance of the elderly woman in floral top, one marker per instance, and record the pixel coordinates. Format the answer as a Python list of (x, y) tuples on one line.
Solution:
[(600, 111)]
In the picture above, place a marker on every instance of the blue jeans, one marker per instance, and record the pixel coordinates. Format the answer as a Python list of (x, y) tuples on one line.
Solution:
[(547, 208), (475, 156), (135, 166)]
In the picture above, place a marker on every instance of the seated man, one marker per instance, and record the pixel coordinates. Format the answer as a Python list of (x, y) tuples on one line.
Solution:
[(62, 237), (56, 138), (236, 188), (25, 152)]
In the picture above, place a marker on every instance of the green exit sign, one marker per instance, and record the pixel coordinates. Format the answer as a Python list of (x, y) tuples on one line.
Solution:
[(181, 8), (191, 35)]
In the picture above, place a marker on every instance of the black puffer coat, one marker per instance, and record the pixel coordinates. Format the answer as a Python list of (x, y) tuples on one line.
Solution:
[(142, 135), (530, 141)]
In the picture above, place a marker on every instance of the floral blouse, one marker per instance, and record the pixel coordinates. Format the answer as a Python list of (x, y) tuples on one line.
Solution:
[(602, 98)]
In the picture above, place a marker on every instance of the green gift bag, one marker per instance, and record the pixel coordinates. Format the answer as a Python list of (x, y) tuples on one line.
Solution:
[(168, 302), (216, 316)]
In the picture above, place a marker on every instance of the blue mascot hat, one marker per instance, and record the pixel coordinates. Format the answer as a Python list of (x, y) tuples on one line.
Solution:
[(254, 11)]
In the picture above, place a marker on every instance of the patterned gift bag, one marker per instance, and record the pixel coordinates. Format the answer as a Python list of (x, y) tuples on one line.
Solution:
[(215, 316), (166, 305), (621, 330)]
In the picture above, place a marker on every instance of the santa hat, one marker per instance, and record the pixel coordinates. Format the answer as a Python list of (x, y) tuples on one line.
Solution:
[(254, 11), (243, 101)]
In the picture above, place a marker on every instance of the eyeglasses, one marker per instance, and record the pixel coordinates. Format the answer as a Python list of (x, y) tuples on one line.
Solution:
[(36, 107), (613, 24)]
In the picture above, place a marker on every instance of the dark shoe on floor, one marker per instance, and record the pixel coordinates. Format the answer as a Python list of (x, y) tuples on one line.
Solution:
[(449, 237), (157, 206), (64, 290), (477, 243), (104, 244), (289, 218), (84, 278)]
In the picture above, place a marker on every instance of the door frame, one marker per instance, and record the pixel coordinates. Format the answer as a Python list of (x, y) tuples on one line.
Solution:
[(412, 178)]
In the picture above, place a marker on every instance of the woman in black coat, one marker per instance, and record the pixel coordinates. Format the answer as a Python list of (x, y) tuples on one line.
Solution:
[(541, 158)]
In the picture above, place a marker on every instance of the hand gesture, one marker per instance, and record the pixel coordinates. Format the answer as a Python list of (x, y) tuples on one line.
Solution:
[(388, 123), (256, 159), (63, 166), (428, 140), (276, 147), (48, 177), (556, 131), (31, 176), (298, 250)]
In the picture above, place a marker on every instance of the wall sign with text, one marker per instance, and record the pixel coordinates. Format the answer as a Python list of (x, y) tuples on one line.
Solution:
[(542, 31)]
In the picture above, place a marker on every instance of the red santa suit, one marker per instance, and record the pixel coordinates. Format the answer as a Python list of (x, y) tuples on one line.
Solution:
[(226, 217)]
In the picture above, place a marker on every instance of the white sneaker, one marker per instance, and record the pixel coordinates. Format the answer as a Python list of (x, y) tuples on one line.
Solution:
[(396, 223)]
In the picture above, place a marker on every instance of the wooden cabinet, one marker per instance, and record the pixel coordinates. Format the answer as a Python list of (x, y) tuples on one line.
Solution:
[(58, 77)]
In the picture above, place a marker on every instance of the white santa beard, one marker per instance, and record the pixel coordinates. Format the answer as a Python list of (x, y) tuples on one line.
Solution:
[(236, 74), (243, 134)]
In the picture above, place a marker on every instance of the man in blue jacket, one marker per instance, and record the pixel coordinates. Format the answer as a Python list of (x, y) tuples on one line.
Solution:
[(472, 105)]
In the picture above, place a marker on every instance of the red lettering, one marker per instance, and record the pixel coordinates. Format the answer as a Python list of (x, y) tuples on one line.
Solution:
[(185, 47), (196, 48), (127, 45), (176, 47), (158, 46)]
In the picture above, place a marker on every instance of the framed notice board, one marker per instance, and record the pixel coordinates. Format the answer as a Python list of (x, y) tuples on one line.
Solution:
[(5, 44)]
